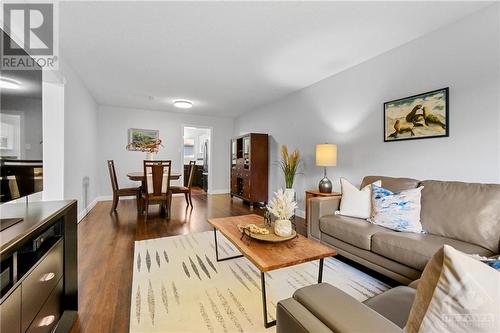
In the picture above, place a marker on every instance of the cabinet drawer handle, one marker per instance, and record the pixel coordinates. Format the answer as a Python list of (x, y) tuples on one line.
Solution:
[(47, 277)]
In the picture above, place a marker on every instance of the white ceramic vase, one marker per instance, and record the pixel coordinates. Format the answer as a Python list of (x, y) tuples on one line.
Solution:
[(149, 156), (290, 190), (283, 228)]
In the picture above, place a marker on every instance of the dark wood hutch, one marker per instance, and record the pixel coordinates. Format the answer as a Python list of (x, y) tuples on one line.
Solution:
[(250, 168)]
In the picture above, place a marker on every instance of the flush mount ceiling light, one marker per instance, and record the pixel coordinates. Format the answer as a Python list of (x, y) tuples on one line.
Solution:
[(183, 104), (9, 83)]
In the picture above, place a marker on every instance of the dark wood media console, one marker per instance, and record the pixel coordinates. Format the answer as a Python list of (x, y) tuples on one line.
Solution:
[(39, 267)]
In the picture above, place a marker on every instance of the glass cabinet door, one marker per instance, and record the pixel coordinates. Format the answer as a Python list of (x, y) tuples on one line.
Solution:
[(246, 146), (233, 152)]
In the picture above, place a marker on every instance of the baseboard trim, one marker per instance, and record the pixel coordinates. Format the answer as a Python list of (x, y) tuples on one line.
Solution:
[(87, 210), (300, 213), (105, 198), (110, 197), (84, 212), (218, 191)]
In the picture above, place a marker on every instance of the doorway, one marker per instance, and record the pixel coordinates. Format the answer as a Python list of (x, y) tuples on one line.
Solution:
[(197, 147)]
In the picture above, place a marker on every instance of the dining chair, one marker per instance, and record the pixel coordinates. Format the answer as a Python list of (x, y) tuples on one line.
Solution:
[(186, 189), (157, 184), (121, 192)]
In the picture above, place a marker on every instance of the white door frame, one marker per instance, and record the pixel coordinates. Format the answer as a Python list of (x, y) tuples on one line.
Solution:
[(210, 152)]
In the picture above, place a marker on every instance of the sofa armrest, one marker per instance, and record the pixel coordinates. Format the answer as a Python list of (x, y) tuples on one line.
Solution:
[(319, 207), (291, 316), (341, 312)]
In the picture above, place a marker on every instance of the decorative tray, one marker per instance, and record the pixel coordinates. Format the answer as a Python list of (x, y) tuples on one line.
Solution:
[(271, 237)]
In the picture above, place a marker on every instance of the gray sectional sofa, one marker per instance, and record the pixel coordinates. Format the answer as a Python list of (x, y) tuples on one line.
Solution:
[(322, 308), (463, 215)]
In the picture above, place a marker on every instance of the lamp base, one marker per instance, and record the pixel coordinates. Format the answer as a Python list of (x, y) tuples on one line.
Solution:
[(325, 185)]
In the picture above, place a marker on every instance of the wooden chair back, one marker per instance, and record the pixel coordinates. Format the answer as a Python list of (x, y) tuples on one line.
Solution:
[(157, 175), (192, 166), (112, 175)]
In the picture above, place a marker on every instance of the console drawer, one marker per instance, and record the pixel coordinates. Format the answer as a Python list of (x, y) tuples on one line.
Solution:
[(40, 282), (10, 313), (49, 315)]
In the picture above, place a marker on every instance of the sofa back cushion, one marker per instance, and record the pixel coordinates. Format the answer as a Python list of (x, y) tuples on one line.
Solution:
[(395, 185), (465, 211)]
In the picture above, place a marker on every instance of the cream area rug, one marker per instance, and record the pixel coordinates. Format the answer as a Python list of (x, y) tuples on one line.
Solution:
[(178, 286)]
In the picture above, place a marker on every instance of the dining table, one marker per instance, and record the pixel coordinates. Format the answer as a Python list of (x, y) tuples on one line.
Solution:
[(139, 176)]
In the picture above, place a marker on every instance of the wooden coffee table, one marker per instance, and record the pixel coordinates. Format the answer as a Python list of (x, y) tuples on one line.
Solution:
[(269, 256)]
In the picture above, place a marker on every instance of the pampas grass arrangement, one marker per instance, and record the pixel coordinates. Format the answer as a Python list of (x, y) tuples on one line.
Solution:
[(289, 165), (282, 205)]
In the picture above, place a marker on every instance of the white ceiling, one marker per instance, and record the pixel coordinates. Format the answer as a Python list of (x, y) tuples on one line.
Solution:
[(231, 57)]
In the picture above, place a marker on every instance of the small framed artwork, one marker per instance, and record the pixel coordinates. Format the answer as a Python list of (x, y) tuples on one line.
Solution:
[(420, 116), (139, 138)]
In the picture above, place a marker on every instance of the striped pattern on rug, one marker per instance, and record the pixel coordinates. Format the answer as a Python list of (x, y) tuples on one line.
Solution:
[(178, 286)]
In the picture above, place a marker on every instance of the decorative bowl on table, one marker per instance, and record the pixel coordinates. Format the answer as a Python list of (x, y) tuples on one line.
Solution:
[(264, 233)]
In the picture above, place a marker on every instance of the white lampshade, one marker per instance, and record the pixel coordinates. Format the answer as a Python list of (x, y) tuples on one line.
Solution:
[(326, 154)]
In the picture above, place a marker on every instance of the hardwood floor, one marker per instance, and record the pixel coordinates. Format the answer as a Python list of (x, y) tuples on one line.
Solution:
[(106, 249)]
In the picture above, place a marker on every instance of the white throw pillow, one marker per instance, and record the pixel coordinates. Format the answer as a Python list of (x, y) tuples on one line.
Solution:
[(356, 203), (456, 293), (397, 211)]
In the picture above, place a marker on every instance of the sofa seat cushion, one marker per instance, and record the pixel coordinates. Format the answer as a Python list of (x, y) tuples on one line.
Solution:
[(388, 267), (394, 304), (357, 232), (415, 250)]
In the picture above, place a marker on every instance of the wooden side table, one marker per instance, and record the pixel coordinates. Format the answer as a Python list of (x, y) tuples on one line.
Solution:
[(316, 193)]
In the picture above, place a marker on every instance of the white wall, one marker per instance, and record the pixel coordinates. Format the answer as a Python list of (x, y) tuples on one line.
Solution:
[(498, 96), (115, 121), (53, 141), (347, 109), (80, 141)]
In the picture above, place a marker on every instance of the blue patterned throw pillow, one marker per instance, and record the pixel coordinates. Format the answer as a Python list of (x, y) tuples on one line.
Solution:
[(492, 262), (396, 211)]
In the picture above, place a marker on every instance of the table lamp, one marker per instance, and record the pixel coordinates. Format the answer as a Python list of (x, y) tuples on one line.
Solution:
[(326, 155)]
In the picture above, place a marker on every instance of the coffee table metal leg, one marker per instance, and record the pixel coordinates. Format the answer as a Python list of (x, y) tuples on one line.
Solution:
[(264, 301), (216, 247), (217, 250), (264, 298), (320, 273)]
